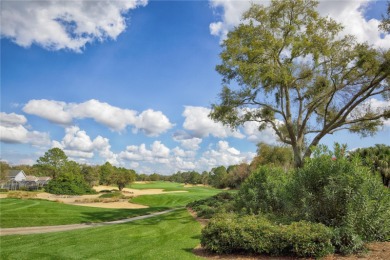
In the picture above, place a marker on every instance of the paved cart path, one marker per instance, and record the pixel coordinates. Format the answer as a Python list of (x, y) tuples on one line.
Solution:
[(47, 229)]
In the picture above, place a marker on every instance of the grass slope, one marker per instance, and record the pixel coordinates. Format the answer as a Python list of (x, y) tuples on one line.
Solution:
[(35, 212), (166, 186), (179, 199), (169, 236)]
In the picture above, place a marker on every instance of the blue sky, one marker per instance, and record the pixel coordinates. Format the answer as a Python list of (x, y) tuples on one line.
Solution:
[(135, 88)]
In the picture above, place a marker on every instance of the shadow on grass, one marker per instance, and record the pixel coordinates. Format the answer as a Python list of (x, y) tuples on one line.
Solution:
[(172, 216), (118, 214)]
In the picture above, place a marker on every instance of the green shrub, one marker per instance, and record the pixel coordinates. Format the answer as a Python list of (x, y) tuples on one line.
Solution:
[(68, 185), (264, 191), (227, 233), (3, 190), (339, 192), (207, 208), (346, 241), (115, 195)]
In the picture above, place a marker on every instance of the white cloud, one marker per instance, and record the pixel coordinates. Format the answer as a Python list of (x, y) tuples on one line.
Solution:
[(54, 111), (251, 129), (200, 125), (151, 122), (158, 152), (232, 11), (223, 154), (187, 141), (77, 143), (12, 130), (56, 25), (349, 13), (114, 118)]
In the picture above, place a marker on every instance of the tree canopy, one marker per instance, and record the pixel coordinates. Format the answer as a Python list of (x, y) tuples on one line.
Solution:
[(385, 25), (288, 68), (52, 162)]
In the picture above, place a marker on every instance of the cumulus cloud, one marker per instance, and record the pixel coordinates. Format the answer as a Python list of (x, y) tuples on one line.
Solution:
[(13, 130), (77, 143), (268, 136), (54, 111), (158, 152), (223, 154), (200, 125), (349, 13), (186, 140), (151, 122), (57, 25)]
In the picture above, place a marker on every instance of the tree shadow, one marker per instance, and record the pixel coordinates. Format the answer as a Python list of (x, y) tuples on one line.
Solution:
[(117, 214)]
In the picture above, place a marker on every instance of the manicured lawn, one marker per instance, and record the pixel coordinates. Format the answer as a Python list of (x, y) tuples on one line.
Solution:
[(179, 199), (167, 186), (169, 236), (34, 212)]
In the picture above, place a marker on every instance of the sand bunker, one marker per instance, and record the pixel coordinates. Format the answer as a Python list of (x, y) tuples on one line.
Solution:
[(122, 204)]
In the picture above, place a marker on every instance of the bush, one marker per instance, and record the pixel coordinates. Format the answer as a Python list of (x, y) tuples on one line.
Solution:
[(227, 233), (264, 191), (115, 194), (338, 192), (3, 190), (207, 208), (346, 241), (68, 185)]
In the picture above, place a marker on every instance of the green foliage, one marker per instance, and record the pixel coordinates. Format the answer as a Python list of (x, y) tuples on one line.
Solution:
[(218, 177), (69, 185), (377, 158), (264, 191), (331, 192), (339, 192), (385, 25), (122, 177), (207, 208), (227, 233), (346, 241), (105, 172), (116, 194), (90, 174), (285, 62), (190, 177), (52, 162), (281, 156)]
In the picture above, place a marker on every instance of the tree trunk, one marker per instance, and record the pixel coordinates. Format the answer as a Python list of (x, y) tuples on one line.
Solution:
[(298, 157)]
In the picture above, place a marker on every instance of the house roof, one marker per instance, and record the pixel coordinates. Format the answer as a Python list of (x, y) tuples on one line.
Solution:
[(31, 178), (13, 173), (44, 178)]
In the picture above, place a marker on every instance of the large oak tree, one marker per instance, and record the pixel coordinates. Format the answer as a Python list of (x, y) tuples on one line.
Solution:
[(287, 67)]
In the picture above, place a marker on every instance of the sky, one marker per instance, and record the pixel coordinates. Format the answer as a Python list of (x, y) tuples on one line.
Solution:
[(132, 82)]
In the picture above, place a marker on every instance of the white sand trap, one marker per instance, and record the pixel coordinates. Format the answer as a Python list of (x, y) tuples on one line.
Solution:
[(122, 204)]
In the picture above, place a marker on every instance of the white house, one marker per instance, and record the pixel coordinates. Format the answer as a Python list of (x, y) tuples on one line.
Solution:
[(17, 175)]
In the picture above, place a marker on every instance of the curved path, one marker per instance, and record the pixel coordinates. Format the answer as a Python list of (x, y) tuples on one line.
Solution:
[(47, 229)]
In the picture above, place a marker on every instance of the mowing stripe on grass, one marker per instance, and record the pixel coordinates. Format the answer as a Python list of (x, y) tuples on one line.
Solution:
[(48, 229), (168, 236)]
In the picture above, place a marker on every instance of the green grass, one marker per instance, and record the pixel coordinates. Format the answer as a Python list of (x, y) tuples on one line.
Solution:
[(172, 200), (166, 186), (169, 236), (35, 212)]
